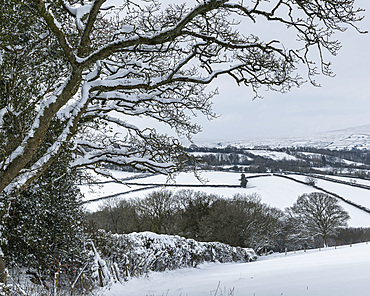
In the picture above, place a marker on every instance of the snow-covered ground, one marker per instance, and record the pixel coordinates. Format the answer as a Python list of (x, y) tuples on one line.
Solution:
[(356, 137), (351, 180), (357, 195), (343, 271), (316, 156), (329, 272), (275, 191), (222, 156), (274, 155)]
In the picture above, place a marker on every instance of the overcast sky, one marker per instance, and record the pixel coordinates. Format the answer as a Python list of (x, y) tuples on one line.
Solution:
[(340, 102)]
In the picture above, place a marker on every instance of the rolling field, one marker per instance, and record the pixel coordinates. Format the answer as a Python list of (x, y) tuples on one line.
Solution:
[(339, 271), (273, 190)]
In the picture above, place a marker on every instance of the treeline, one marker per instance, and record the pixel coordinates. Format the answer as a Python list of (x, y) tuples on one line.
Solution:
[(355, 155), (307, 160), (242, 221)]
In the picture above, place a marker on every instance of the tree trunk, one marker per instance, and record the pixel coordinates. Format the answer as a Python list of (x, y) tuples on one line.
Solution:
[(325, 241), (3, 272)]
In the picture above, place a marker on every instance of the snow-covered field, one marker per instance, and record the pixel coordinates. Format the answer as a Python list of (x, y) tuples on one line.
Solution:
[(275, 191), (222, 156), (334, 159), (351, 180), (359, 196), (274, 155), (356, 137), (343, 271)]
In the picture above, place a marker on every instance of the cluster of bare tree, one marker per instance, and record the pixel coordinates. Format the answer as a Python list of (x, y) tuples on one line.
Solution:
[(306, 160), (313, 221), (240, 221)]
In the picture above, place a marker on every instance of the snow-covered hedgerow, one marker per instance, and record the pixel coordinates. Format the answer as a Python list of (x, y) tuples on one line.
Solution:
[(137, 254)]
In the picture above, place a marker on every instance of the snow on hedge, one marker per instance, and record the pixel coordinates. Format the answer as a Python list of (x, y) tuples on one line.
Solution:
[(137, 254), (340, 271)]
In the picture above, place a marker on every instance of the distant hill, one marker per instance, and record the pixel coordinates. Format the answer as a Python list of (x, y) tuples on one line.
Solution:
[(345, 139)]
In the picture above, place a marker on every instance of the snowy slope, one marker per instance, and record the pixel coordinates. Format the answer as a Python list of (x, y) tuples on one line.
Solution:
[(343, 271), (359, 196), (356, 137), (275, 191), (274, 155)]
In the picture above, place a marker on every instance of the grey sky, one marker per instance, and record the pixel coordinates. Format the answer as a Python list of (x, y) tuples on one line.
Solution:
[(340, 102)]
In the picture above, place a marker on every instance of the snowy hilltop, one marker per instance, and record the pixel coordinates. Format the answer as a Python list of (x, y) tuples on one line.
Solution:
[(345, 139)]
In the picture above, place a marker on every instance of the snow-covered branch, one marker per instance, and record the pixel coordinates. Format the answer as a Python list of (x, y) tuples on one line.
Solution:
[(55, 27), (71, 69)]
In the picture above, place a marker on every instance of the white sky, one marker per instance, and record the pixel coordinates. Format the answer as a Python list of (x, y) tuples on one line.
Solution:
[(340, 102)]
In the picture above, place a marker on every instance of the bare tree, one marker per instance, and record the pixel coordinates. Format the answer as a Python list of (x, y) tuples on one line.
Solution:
[(242, 221), (68, 67), (156, 210), (318, 214)]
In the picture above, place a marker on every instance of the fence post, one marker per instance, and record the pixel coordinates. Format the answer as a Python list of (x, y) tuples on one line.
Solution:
[(56, 278), (100, 272)]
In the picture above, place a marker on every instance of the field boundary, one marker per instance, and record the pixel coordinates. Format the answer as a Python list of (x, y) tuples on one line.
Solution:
[(154, 185), (365, 209), (148, 186)]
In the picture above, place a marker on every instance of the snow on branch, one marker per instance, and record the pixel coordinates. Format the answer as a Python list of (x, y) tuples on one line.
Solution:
[(100, 66), (74, 112), (56, 28), (153, 38), (78, 11), (17, 152), (143, 150)]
